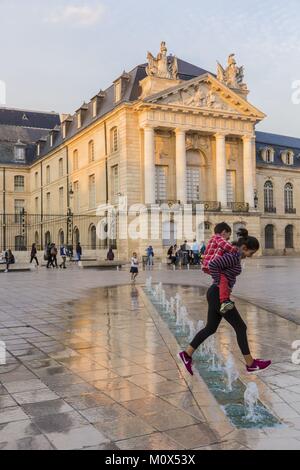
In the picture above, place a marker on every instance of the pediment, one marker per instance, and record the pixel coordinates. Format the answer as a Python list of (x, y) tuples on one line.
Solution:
[(206, 93)]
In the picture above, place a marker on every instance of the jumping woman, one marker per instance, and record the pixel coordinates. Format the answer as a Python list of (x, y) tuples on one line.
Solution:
[(230, 265)]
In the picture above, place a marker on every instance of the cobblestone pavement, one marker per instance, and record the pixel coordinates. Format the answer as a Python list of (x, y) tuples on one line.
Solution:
[(89, 367)]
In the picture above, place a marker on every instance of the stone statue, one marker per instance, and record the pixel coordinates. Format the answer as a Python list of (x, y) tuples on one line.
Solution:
[(162, 66), (232, 76)]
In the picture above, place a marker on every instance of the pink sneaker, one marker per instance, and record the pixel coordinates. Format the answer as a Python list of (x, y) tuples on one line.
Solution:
[(187, 361), (258, 365)]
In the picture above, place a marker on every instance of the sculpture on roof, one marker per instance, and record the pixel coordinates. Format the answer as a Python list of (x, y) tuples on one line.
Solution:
[(232, 76), (162, 66)]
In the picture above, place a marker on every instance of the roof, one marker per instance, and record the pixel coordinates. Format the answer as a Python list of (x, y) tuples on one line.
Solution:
[(25, 118), (279, 143)]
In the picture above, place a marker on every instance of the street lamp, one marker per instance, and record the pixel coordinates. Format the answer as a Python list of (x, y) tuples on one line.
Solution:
[(255, 199)]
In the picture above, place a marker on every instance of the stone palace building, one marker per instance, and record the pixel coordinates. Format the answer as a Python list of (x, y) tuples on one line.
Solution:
[(166, 132)]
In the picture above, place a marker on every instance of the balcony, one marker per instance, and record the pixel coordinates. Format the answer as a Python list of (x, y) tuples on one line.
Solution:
[(290, 210), (270, 210), (238, 207), (209, 206)]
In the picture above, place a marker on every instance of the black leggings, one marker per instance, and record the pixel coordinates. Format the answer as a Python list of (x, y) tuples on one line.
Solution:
[(214, 319)]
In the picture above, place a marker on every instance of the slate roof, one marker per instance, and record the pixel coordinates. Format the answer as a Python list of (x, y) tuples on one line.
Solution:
[(279, 143), (26, 127)]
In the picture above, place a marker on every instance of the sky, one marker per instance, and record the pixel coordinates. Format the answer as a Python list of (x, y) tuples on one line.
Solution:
[(56, 54)]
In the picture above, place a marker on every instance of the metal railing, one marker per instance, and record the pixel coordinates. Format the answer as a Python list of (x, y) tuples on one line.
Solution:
[(270, 210), (290, 210), (19, 231), (238, 206)]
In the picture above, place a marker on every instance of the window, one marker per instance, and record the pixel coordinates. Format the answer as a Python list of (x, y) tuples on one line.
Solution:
[(36, 205), (118, 91), (268, 154), (19, 184), (79, 120), (115, 183), (91, 151), (19, 209), (289, 198), (287, 157), (269, 237), (64, 130), (76, 197), (75, 160), (61, 237), (76, 235), (95, 108), (114, 140), (36, 180), (92, 192), (269, 197), (93, 237), (161, 190), (231, 179), (48, 174), (48, 203), (51, 140), (289, 237), (61, 168), (20, 153), (193, 184), (61, 200)]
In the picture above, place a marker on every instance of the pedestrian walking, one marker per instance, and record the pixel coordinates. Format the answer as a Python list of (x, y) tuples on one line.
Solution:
[(78, 251), (110, 255), (134, 269), (33, 255), (63, 254), (150, 257)]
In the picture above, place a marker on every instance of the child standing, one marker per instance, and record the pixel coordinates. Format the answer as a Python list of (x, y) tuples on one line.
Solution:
[(134, 270), (218, 246)]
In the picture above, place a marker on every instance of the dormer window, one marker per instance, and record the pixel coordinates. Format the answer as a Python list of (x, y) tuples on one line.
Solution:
[(64, 130), (120, 86), (287, 157), (65, 126), (79, 120), (96, 102), (51, 140), (118, 91), (20, 153), (95, 107), (268, 154)]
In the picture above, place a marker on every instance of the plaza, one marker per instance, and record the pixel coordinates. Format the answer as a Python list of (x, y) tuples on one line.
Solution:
[(91, 365)]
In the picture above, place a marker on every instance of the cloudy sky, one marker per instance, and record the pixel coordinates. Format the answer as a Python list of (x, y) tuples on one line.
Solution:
[(56, 54)]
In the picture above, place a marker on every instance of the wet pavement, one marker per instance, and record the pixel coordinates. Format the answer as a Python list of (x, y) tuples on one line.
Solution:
[(96, 368)]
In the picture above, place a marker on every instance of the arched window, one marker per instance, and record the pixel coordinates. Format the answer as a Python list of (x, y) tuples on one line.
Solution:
[(91, 151), (61, 168), (289, 237), (204, 232), (61, 237), (169, 233), (267, 154), (93, 237), (269, 237), (288, 157), (269, 196), (48, 176), (102, 229), (236, 227), (114, 140), (76, 234), (289, 197), (47, 238), (36, 238)]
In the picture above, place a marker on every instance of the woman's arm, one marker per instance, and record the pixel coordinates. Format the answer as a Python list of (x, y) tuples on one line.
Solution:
[(220, 264)]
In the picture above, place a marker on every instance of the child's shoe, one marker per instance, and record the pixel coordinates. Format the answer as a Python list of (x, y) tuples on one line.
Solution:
[(227, 306)]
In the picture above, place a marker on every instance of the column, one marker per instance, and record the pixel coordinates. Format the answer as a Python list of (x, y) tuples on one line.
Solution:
[(149, 165), (249, 187), (221, 168), (181, 171)]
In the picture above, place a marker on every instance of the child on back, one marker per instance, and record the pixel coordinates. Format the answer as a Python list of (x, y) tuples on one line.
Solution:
[(217, 247)]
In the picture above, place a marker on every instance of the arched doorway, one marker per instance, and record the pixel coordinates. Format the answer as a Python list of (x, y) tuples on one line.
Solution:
[(93, 237), (76, 235), (169, 233), (236, 228), (47, 238), (289, 237), (269, 237), (61, 237), (37, 240), (196, 176)]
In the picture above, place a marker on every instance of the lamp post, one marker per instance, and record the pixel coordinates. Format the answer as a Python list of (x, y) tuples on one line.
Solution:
[(255, 199), (70, 216)]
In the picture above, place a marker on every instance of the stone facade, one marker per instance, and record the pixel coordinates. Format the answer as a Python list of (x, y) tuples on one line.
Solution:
[(167, 133)]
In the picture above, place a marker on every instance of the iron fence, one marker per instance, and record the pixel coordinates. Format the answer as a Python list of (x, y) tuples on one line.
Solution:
[(20, 230)]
